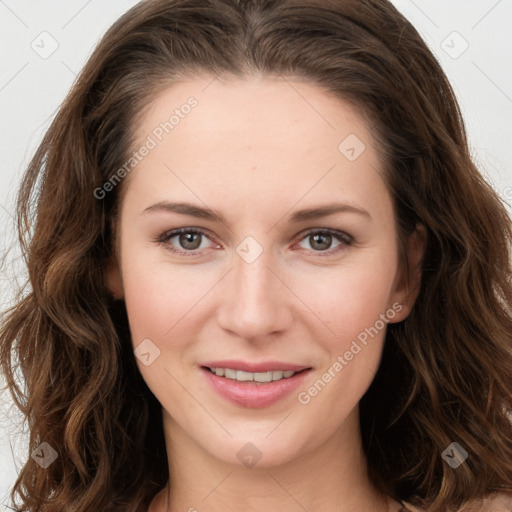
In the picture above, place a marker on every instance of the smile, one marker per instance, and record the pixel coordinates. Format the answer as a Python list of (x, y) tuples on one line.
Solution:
[(262, 377), (257, 388)]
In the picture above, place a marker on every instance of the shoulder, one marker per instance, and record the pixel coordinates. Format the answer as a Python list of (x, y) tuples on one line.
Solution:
[(495, 502)]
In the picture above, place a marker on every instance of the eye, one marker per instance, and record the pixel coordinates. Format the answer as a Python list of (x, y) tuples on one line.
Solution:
[(187, 239), (321, 240), (190, 241)]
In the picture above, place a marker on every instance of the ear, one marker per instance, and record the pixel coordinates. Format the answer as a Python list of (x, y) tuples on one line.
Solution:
[(408, 281)]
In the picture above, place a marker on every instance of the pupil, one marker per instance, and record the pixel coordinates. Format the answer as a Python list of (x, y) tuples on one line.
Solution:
[(326, 241), (189, 239)]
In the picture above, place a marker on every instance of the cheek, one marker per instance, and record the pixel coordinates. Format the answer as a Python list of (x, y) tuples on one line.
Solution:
[(350, 300), (351, 304), (162, 303), (159, 297)]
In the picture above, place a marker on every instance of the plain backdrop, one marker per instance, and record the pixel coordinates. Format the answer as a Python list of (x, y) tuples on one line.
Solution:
[(44, 44)]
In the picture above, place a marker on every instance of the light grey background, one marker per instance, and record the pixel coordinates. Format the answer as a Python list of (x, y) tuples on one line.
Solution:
[(471, 38)]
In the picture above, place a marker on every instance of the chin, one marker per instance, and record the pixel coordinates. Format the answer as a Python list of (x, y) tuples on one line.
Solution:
[(262, 450)]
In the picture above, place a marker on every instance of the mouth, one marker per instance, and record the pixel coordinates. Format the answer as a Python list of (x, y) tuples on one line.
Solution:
[(253, 385), (254, 377)]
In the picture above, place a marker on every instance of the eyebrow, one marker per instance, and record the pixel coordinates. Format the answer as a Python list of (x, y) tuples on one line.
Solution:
[(299, 216)]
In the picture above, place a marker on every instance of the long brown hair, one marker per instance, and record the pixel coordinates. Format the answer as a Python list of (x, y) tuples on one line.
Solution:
[(446, 370)]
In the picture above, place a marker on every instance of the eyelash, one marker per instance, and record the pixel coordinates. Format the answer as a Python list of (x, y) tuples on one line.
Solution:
[(344, 239)]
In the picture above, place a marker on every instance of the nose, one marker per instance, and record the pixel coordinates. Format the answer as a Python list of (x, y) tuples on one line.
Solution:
[(255, 302)]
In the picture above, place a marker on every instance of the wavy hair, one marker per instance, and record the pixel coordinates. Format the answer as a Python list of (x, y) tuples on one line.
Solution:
[(446, 370)]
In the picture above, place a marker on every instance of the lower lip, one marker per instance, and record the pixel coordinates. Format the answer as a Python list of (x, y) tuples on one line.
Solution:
[(254, 395)]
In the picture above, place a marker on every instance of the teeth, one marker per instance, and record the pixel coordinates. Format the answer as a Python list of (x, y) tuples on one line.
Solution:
[(264, 377), (230, 374), (242, 376)]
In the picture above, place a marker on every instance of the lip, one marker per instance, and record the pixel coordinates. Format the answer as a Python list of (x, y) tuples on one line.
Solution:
[(250, 394), (263, 366)]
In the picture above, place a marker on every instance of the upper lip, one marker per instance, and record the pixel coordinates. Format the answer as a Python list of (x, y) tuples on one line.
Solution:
[(255, 367)]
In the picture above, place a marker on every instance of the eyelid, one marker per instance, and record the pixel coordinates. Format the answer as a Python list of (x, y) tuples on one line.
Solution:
[(340, 235), (166, 237), (344, 238)]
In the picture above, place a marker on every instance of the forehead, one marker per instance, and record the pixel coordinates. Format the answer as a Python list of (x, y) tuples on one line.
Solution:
[(256, 137), (259, 108)]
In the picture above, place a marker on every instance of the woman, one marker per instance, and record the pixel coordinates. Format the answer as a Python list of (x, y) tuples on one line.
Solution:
[(265, 273)]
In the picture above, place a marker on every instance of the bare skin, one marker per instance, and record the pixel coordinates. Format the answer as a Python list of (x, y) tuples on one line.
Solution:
[(256, 151)]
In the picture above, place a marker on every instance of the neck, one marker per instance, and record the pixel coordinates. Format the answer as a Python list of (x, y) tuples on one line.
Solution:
[(331, 477)]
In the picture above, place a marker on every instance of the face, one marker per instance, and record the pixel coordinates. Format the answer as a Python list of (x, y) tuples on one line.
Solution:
[(257, 238)]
